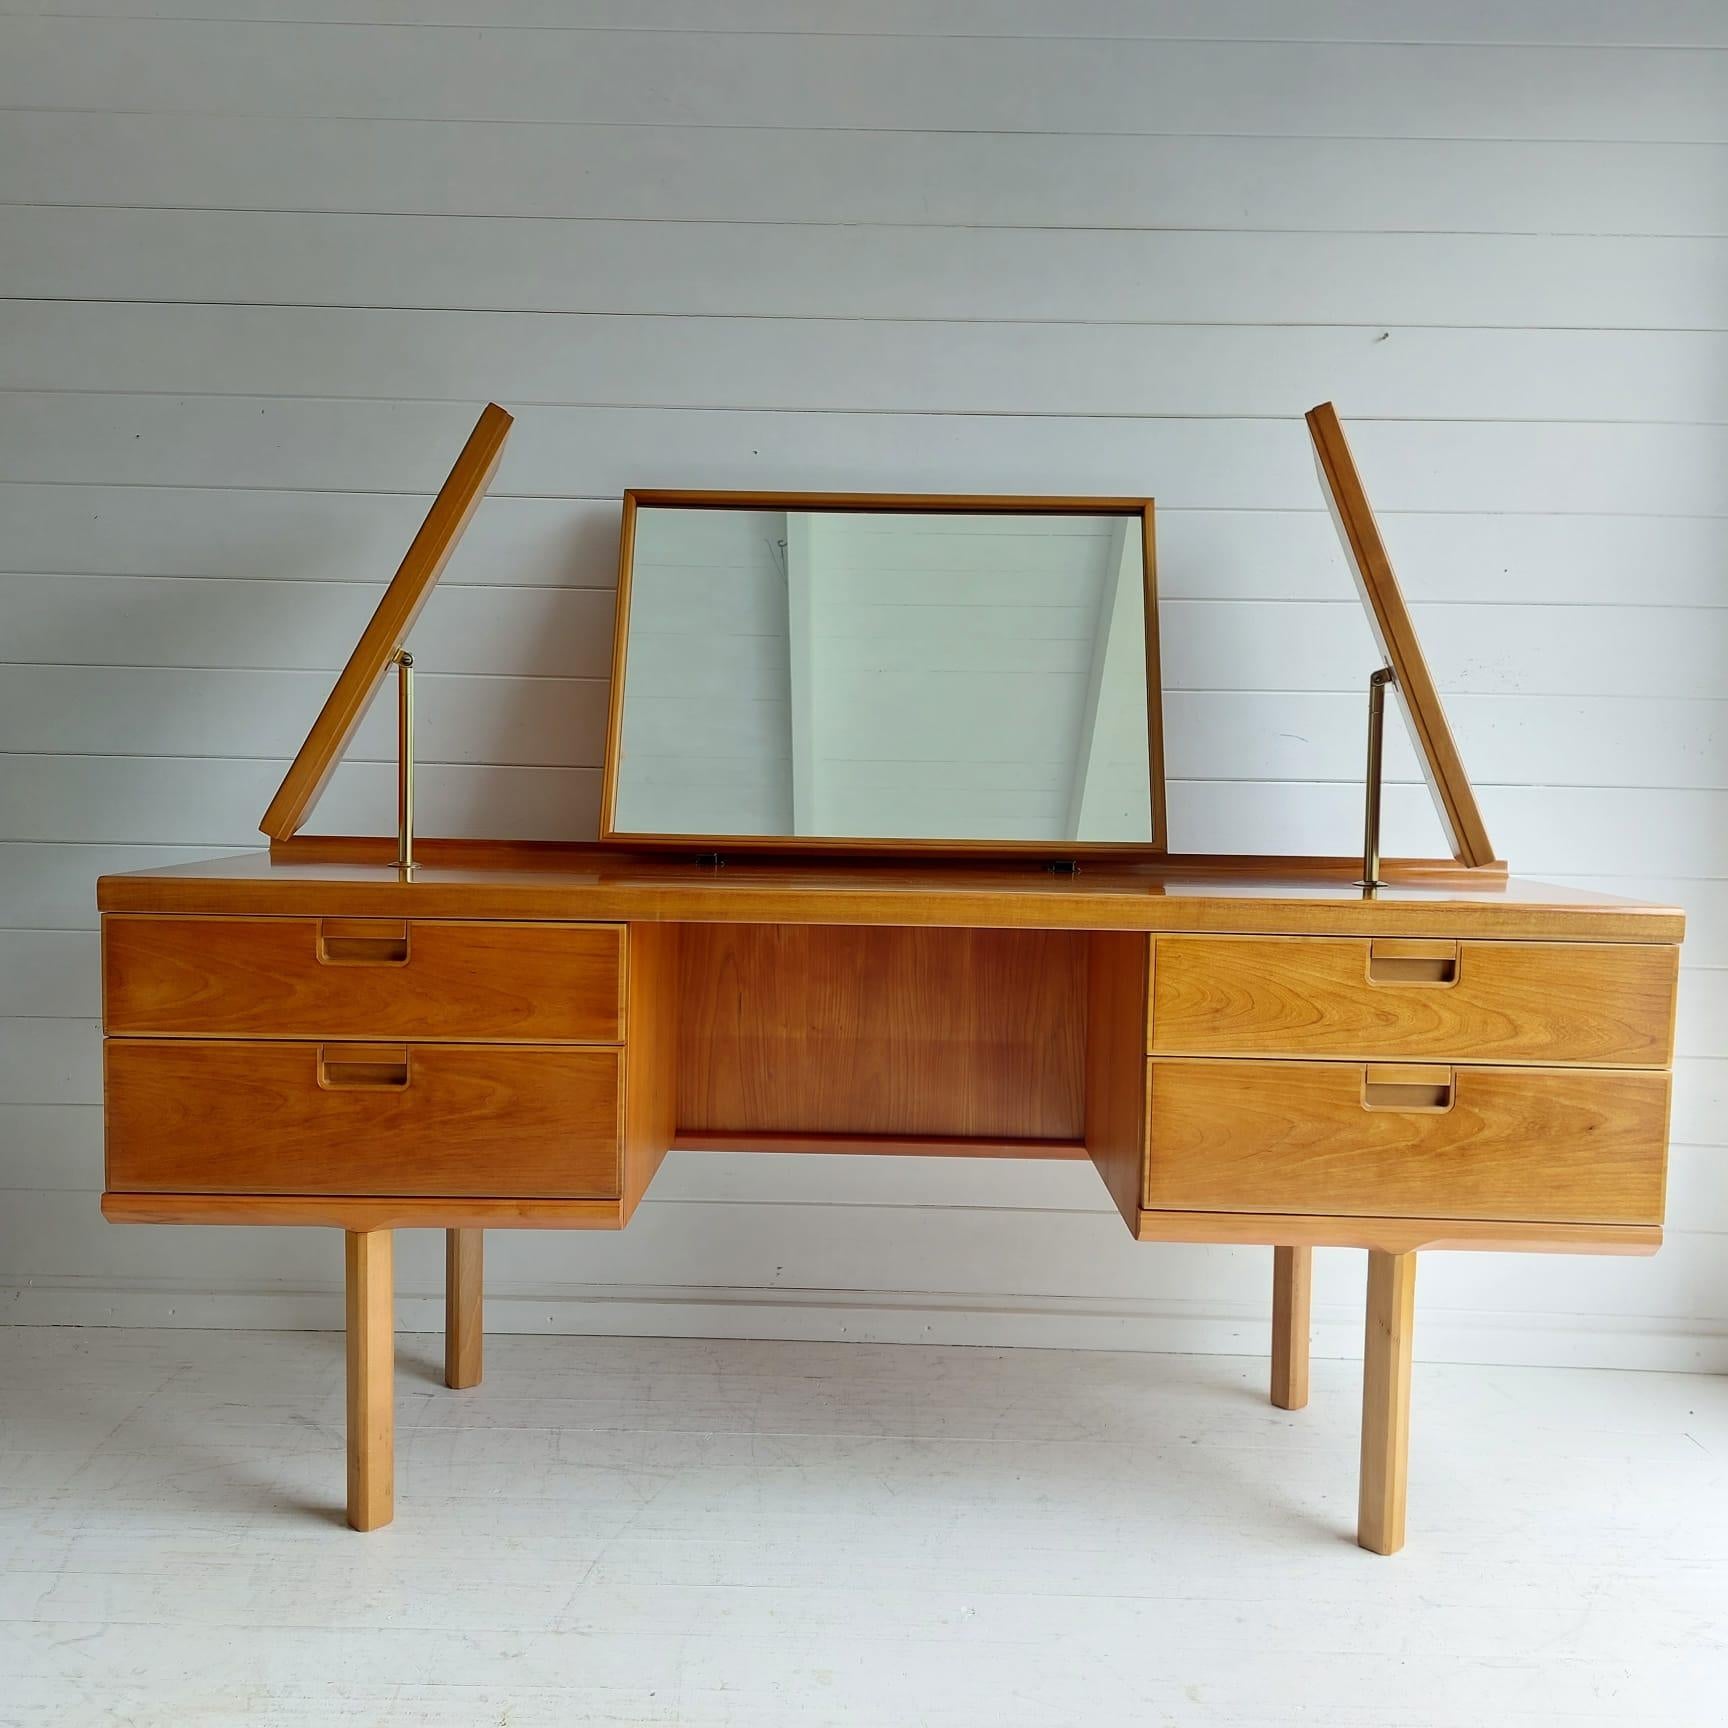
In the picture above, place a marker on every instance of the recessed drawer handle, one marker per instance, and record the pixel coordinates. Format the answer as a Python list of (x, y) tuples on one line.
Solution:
[(1436, 964), (1396, 1086), (363, 1067), (362, 942)]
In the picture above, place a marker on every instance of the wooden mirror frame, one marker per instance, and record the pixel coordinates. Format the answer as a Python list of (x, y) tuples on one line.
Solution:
[(792, 845), (1395, 636)]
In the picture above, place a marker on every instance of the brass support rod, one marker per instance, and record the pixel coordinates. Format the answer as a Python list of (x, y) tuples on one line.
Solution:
[(1376, 742), (404, 759)]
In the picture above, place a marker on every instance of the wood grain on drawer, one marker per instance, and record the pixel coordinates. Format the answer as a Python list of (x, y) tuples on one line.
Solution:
[(187, 1116), (362, 978), (1568, 1145), (1544, 1002)]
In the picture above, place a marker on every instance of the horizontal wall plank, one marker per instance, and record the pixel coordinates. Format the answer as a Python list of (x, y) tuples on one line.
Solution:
[(175, 711), (777, 269), (1591, 652), (50, 974), (764, 174), (142, 800), (1217, 464), (557, 722), (212, 803), (1674, 23), (864, 366), (539, 632), (49, 1146), (50, 1062), (49, 887), (307, 536), (983, 84), (1242, 554)]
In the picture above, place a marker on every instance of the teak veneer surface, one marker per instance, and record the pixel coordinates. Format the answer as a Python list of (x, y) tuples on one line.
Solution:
[(272, 977), (1611, 1004), (188, 1116), (361, 1211), (1116, 980), (814, 1030), (1583, 1146), (401, 604), (457, 879)]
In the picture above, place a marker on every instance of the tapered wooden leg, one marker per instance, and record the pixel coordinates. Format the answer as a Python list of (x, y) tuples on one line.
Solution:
[(371, 1379), (1292, 1284), (1386, 1401), (464, 1277)]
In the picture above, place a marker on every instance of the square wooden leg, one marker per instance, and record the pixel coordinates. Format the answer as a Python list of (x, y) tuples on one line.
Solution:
[(1292, 1285), (464, 1278), (1386, 1401), (371, 1379)]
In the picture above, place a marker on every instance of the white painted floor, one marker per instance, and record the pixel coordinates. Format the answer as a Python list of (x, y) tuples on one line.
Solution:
[(756, 1534)]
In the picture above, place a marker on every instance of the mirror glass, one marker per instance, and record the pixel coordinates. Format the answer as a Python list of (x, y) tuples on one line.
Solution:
[(882, 675)]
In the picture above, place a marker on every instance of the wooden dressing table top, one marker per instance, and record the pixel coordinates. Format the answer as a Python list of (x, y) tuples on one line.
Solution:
[(461, 878)]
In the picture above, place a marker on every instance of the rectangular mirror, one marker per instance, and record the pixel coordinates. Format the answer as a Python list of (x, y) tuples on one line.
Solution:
[(825, 673)]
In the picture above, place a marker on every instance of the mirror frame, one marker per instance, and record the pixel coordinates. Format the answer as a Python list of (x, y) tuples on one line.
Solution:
[(884, 503)]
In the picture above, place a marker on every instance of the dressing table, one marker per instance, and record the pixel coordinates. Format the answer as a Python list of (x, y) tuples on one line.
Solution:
[(864, 945)]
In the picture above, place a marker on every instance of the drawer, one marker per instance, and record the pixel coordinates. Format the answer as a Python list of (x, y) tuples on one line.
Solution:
[(1547, 1002), (1560, 1145), (189, 1117), (362, 978)]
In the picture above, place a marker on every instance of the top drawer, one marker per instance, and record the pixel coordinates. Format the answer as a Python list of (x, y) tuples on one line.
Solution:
[(362, 978), (1550, 1002)]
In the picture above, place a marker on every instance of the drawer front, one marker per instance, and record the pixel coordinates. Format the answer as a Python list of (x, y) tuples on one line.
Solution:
[(1404, 1140), (362, 978), (1611, 1005), (188, 1117)]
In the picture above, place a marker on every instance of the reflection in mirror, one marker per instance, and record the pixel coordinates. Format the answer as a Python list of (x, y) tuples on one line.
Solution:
[(836, 674)]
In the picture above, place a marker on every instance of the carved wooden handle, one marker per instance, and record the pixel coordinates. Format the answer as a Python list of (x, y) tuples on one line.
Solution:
[(363, 941), (1394, 961), (363, 1067), (1408, 1087)]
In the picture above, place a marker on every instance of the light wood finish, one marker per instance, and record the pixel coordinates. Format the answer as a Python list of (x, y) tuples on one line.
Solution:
[(457, 879), (650, 1057), (1390, 620), (1397, 1235), (358, 682), (1292, 1294), (1611, 1005), (371, 1378), (1386, 1402), (1550, 1145), (1116, 991), (350, 978), (1292, 867), (361, 1211), (366, 1212), (969, 1034), (884, 503), (464, 1322), (483, 1120)]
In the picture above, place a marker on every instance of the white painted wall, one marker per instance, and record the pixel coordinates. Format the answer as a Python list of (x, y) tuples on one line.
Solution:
[(261, 266)]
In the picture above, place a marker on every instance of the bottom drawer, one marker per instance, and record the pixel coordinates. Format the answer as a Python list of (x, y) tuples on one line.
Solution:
[(193, 1117), (1556, 1145)]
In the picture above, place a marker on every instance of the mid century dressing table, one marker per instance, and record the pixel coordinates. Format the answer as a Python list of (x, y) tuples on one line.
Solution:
[(865, 944)]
